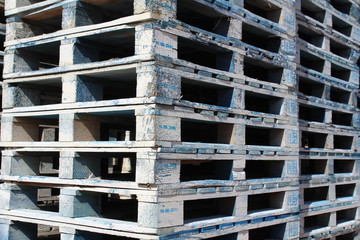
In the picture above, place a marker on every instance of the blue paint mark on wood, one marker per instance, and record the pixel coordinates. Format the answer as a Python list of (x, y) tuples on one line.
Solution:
[(168, 127)]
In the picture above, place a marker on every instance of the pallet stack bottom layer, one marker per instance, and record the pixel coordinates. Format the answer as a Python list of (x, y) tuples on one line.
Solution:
[(180, 119)]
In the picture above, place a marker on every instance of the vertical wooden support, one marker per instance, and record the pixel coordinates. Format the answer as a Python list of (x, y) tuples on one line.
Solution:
[(17, 230), (73, 127), (159, 215), (75, 166), (18, 197), (79, 204)]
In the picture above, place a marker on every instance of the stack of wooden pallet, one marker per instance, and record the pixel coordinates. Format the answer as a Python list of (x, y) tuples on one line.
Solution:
[(2, 40), (179, 119), (328, 70)]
